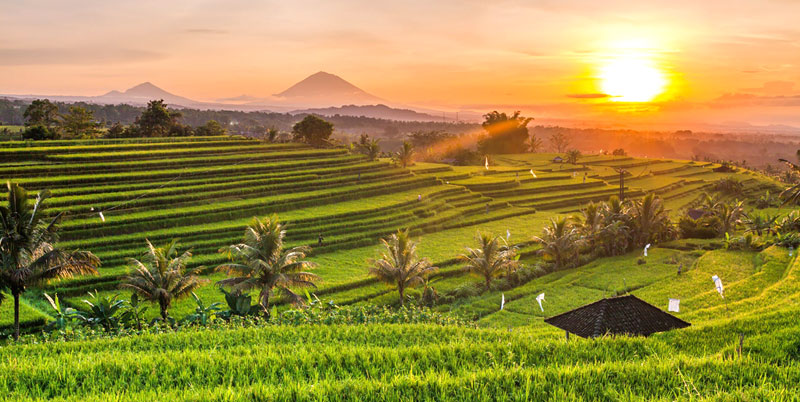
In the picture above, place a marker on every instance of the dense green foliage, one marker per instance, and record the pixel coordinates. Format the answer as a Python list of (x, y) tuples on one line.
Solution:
[(348, 339)]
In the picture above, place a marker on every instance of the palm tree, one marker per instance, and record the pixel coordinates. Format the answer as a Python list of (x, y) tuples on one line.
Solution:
[(162, 276), (491, 259), (572, 156), (758, 223), (405, 156), (369, 147), (791, 194), (28, 246), (560, 242), (399, 264), (650, 221), (372, 149), (730, 216), (708, 203), (535, 144), (261, 262), (591, 220)]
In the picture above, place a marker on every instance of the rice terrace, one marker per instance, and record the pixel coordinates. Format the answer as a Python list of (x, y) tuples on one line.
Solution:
[(602, 216)]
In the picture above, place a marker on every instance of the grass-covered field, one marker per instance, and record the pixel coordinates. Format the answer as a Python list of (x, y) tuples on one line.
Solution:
[(204, 192)]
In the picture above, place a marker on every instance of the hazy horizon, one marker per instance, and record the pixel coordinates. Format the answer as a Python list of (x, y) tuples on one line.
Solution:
[(687, 63)]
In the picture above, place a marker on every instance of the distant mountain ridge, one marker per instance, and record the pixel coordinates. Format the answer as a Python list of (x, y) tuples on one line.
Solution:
[(143, 93), (320, 93), (379, 111)]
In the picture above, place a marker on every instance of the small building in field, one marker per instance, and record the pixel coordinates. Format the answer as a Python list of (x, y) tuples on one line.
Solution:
[(558, 159), (696, 213), (621, 315)]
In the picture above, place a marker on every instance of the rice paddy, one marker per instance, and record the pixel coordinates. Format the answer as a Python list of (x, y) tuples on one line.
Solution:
[(205, 191)]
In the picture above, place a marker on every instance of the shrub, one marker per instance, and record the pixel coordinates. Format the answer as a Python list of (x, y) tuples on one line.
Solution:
[(702, 228)]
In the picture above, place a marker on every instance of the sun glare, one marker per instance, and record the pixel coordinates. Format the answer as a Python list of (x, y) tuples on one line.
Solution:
[(632, 79)]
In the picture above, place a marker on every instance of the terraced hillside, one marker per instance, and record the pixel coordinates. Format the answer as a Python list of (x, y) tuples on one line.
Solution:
[(504, 354), (447, 362), (203, 191)]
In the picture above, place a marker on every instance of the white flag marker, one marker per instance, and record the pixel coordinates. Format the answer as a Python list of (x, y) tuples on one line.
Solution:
[(502, 301), (533, 174), (675, 305), (539, 299), (508, 234), (102, 218), (645, 249), (486, 164), (718, 285)]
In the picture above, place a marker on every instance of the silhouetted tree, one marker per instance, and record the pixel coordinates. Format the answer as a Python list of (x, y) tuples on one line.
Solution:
[(572, 156), (155, 121), (79, 123), (504, 134), (559, 141), (535, 144), (41, 112)]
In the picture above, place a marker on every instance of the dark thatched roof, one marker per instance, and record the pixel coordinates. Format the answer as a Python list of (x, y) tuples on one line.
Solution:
[(623, 315), (696, 213)]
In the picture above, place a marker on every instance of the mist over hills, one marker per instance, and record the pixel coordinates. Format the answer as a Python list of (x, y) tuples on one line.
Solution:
[(322, 93), (143, 93), (379, 111)]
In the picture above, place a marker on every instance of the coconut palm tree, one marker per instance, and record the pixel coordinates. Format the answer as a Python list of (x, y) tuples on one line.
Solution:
[(491, 259), (535, 144), (730, 216), (791, 194), (650, 221), (369, 147), (591, 219), (261, 262), (399, 264), (372, 149), (560, 242), (708, 203), (760, 223), (30, 256), (405, 156), (162, 276)]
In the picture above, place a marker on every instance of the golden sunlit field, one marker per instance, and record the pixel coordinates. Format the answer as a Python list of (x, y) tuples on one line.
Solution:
[(400, 201)]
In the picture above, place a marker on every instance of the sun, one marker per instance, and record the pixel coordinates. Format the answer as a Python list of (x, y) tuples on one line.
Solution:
[(632, 79)]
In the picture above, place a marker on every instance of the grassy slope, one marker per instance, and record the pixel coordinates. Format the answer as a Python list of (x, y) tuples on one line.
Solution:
[(447, 223)]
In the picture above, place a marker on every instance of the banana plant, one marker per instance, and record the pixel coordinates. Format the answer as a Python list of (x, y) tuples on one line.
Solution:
[(238, 303), (103, 311), (202, 314), (134, 312), (63, 314)]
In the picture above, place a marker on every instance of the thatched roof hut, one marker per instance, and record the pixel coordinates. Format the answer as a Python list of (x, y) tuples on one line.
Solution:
[(622, 315)]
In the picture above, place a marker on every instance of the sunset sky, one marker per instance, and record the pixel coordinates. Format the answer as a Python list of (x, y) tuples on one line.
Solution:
[(677, 60)]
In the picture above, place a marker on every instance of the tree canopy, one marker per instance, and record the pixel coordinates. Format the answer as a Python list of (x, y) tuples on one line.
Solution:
[(313, 130), (41, 112), (504, 134), (155, 121), (212, 128), (79, 123)]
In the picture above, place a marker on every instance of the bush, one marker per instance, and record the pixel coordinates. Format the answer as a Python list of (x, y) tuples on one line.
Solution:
[(702, 228), (39, 132), (729, 186), (747, 242)]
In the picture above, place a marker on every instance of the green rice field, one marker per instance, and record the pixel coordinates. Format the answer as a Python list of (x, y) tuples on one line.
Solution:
[(204, 191)]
